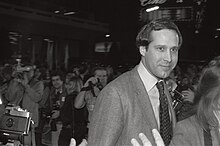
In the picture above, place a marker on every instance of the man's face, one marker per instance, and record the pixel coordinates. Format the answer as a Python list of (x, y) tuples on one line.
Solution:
[(102, 75), (57, 82), (29, 74), (37, 73), (161, 56)]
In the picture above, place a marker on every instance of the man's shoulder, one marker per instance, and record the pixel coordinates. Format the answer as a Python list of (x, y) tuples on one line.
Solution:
[(126, 76), (36, 81), (123, 82)]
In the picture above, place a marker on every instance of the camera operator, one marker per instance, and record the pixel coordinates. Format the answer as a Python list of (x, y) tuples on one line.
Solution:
[(90, 90), (2, 111), (26, 91), (182, 96), (6, 76), (2, 107)]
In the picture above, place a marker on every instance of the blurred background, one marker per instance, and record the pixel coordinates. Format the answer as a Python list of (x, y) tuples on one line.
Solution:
[(59, 33)]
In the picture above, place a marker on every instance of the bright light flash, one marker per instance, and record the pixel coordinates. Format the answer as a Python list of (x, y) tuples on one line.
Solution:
[(69, 13), (152, 9)]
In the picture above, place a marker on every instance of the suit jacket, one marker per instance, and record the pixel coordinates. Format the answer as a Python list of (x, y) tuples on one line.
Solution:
[(189, 133), (122, 111)]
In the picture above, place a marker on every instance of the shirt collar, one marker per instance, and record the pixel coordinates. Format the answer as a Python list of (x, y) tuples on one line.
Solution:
[(60, 90), (148, 79)]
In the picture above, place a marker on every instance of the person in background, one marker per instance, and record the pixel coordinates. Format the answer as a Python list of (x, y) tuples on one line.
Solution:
[(110, 72), (2, 111), (6, 75), (26, 91), (129, 104), (203, 128), (44, 108), (57, 97), (182, 100), (68, 113), (91, 89)]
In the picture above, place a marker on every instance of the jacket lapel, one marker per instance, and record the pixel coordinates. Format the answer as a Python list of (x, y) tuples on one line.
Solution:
[(143, 99), (173, 114)]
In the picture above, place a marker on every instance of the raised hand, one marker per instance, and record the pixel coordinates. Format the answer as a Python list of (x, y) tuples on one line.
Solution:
[(146, 142)]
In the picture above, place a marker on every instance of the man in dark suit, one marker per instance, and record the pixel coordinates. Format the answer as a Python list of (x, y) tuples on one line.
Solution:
[(130, 104)]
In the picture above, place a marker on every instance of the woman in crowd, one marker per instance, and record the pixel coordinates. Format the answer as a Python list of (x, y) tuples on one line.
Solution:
[(71, 118)]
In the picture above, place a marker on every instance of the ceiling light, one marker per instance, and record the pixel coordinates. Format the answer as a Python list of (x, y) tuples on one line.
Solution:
[(107, 35), (196, 31), (152, 9), (48, 40), (69, 13), (56, 12)]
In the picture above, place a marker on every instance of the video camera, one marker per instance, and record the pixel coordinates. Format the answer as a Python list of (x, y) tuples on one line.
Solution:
[(14, 123), (19, 69)]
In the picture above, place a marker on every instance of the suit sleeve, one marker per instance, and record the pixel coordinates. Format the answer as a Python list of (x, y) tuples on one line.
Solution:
[(35, 92), (107, 119)]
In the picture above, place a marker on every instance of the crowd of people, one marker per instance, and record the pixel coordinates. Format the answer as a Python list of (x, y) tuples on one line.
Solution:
[(60, 102), (109, 106)]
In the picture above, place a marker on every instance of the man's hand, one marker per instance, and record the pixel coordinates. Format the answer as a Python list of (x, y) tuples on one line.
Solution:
[(188, 95), (144, 139), (73, 142), (146, 142), (92, 80)]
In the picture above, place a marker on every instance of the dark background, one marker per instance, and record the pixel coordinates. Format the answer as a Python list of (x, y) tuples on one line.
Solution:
[(123, 19)]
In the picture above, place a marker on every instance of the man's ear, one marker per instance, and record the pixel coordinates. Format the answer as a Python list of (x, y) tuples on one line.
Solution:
[(142, 50)]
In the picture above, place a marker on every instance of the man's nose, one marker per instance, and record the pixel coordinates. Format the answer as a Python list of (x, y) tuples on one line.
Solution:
[(168, 56)]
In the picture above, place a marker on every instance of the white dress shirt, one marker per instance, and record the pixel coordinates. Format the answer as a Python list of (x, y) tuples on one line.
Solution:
[(150, 85)]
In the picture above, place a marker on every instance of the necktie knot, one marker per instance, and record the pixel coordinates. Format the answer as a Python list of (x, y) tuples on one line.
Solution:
[(160, 87)]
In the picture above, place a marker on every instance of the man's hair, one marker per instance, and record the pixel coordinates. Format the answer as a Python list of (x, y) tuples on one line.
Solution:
[(58, 73), (143, 37), (97, 68)]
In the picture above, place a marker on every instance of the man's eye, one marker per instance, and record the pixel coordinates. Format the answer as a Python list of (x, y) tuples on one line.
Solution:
[(160, 48), (174, 49)]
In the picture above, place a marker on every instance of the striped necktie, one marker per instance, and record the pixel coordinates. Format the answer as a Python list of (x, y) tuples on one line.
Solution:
[(165, 122)]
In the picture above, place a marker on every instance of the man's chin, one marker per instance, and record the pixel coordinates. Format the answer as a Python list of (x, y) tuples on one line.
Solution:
[(164, 75)]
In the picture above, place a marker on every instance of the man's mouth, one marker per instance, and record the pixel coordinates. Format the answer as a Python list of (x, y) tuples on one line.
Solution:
[(165, 67)]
